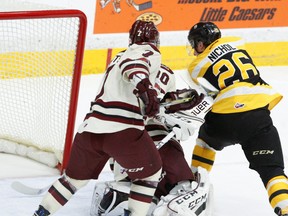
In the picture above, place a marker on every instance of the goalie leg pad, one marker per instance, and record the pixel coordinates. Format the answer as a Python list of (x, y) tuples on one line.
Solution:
[(188, 199)]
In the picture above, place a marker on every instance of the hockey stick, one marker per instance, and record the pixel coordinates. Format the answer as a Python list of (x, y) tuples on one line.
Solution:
[(204, 85), (27, 190), (24, 189), (142, 6), (174, 102), (210, 89), (165, 140)]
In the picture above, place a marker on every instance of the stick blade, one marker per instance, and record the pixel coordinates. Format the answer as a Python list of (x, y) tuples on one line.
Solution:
[(21, 188)]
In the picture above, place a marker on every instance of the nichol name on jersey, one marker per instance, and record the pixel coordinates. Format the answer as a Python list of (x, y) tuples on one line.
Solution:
[(220, 51)]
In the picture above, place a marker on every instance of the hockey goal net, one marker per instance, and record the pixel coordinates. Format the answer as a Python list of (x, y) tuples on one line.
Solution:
[(41, 54)]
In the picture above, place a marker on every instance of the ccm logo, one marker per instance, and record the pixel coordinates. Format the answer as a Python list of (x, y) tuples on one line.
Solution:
[(189, 197), (263, 152), (132, 170)]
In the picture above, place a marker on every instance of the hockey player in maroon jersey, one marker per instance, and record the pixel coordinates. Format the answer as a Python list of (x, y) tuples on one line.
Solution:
[(110, 197), (115, 127), (240, 113)]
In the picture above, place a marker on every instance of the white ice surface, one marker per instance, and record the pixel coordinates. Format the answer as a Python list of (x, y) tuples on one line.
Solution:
[(238, 190)]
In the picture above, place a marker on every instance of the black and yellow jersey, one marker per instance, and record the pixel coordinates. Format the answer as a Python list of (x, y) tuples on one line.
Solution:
[(230, 69)]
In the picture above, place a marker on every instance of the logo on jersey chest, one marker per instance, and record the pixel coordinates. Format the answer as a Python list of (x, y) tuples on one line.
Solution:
[(239, 105)]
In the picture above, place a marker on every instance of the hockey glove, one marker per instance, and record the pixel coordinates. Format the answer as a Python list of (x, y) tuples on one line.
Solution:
[(180, 94), (183, 124), (148, 95), (184, 131)]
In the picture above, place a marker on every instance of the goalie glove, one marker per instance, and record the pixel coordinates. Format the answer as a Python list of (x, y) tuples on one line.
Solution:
[(183, 124), (180, 94), (148, 95), (184, 132)]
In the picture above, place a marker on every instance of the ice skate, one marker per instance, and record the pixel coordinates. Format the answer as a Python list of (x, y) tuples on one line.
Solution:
[(127, 212), (41, 212), (281, 212)]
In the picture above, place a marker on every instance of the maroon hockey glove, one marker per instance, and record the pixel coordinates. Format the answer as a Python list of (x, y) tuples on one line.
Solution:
[(148, 96), (180, 94)]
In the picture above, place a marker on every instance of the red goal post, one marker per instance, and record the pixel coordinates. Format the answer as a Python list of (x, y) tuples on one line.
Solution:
[(41, 55)]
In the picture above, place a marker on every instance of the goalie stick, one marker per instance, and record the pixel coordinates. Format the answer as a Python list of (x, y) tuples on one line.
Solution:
[(209, 88), (165, 140), (203, 86)]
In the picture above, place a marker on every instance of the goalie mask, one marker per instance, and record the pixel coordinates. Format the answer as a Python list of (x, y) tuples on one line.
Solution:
[(142, 31), (207, 32)]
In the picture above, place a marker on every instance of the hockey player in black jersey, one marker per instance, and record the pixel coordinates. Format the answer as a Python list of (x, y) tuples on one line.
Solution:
[(240, 113)]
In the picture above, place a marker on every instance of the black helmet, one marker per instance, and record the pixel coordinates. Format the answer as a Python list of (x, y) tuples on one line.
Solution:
[(207, 32), (142, 31)]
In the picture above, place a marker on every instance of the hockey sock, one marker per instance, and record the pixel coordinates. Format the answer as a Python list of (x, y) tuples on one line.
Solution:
[(203, 156), (277, 189), (60, 193), (141, 194)]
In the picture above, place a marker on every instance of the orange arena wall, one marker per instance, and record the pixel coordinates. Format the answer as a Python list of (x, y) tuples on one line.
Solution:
[(177, 15)]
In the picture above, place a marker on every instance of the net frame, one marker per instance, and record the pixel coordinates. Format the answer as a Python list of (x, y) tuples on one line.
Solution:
[(79, 54)]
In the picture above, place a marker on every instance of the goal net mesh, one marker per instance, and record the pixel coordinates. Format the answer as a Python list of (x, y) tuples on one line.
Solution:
[(37, 69)]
